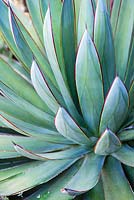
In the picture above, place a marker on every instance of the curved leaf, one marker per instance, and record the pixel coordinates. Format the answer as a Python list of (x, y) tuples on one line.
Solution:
[(56, 13), (129, 76), (7, 34), (20, 86), (29, 129), (89, 82), (49, 45), (22, 175), (115, 14), (122, 37), (34, 7), (32, 144), (115, 107), (86, 19), (28, 107), (67, 127), (126, 155), (104, 43), (96, 193), (53, 189), (126, 134), (115, 183), (131, 96), (69, 43), (42, 88), (129, 171), (87, 176), (70, 153), (19, 39), (107, 143), (10, 108)]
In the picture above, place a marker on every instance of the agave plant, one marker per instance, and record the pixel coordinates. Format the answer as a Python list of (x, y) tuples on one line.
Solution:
[(67, 107)]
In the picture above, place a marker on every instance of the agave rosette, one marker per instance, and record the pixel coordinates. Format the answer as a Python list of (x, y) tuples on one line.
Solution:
[(67, 109)]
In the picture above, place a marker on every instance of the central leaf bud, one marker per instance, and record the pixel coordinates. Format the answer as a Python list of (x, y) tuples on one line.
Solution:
[(107, 144)]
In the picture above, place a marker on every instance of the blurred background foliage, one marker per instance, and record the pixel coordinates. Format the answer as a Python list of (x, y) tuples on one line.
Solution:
[(4, 50)]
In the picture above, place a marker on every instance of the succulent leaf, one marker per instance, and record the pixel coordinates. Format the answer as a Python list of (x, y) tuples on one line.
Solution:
[(90, 90), (19, 39), (34, 7), (21, 175), (53, 189), (84, 179), (122, 37), (115, 107), (104, 43), (42, 88), (49, 45), (125, 155), (126, 134), (129, 76), (86, 19), (131, 97), (96, 193), (67, 100), (114, 181), (69, 43), (69, 129), (107, 143), (32, 144), (70, 153)]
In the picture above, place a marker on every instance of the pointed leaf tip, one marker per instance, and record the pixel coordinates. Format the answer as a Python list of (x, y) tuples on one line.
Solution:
[(42, 88), (86, 19), (87, 176), (89, 82), (115, 107), (108, 143), (66, 126)]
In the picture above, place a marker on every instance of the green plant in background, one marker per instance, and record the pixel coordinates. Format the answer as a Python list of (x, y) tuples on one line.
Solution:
[(68, 108)]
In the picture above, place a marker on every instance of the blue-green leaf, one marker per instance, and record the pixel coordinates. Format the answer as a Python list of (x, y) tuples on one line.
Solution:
[(131, 96), (22, 174), (69, 129), (96, 193), (30, 143), (129, 76), (34, 7), (123, 28), (86, 19), (42, 88), (68, 44), (115, 107), (19, 39), (27, 106), (87, 176), (7, 34), (20, 86), (107, 143), (104, 43), (49, 45), (52, 190), (126, 155), (115, 183), (70, 153), (89, 82), (126, 134)]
